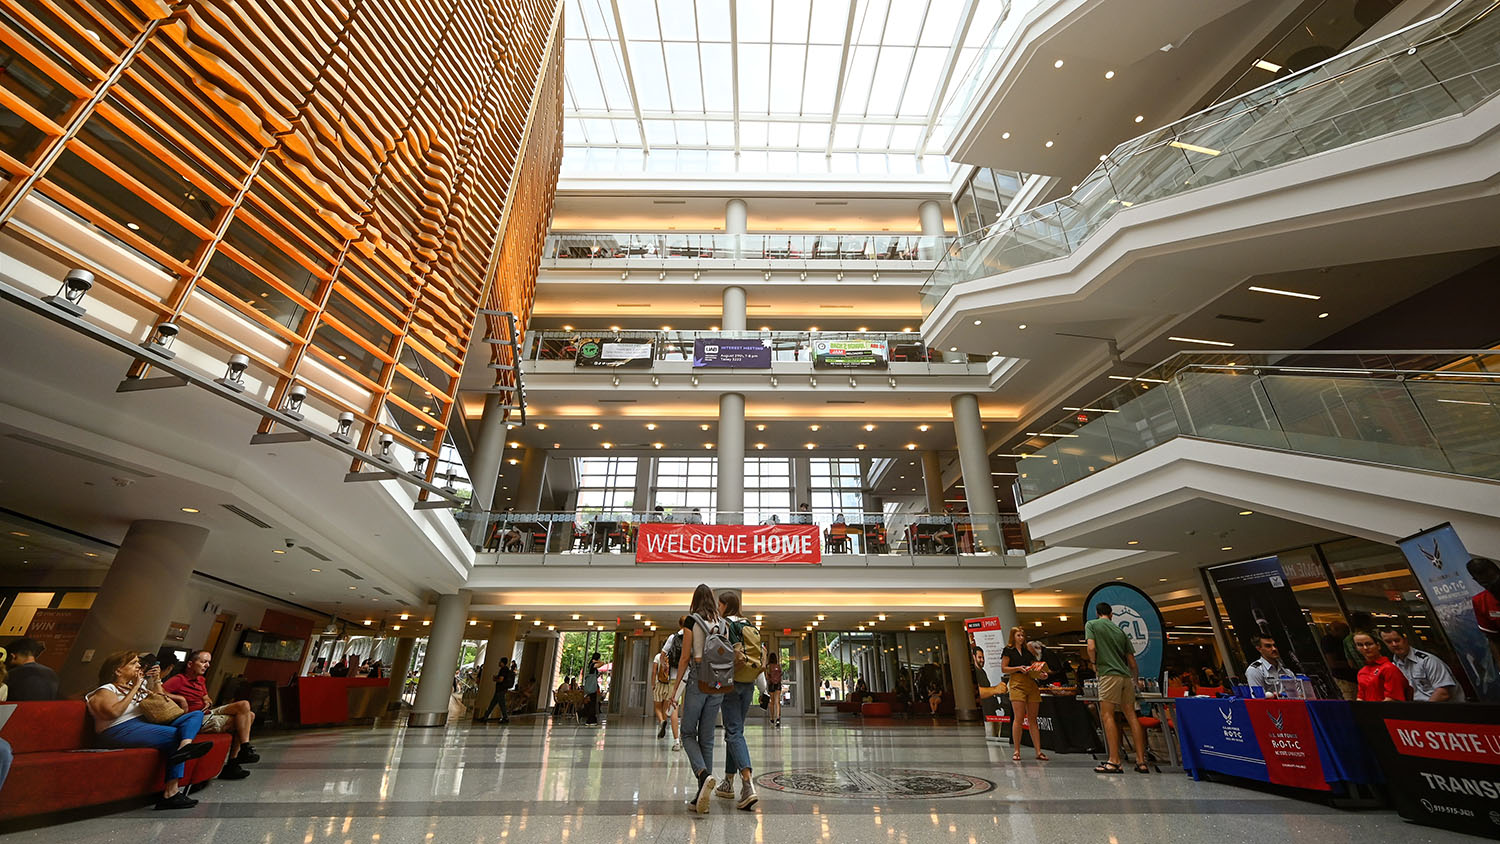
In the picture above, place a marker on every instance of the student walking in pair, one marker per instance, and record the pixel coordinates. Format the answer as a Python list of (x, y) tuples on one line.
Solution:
[(706, 670), (749, 661)]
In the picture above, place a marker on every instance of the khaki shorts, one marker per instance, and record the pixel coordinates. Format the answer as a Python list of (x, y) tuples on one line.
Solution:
[(1118, 690), (215, 720), (663, 691)]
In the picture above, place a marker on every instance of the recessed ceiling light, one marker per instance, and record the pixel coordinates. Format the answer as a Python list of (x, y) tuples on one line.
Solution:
[(1292, 293), (924, 428), (1140, 117), (133, 227), (614, 328), (316, 571), (765, 328), (594, 426), (1203, 342), (1161, 580), (1004, 136), (708, 445), (1048, 145), (1227, 548), (911, 446), (1246, 512), (567, 328), (1265, 65), (869, 427), (666, 328), (760, 427), (979, 322), (811, 446), (1109, 74), (1037, 623), (190, 509), (1133, 542), (657, 446), (651, 426), (1022, 326), (278, 551), (952, 348), (1323, 316), (703, 427), (760, 446), (1058, 63), (352, 587), (607, 445), (813, 427)]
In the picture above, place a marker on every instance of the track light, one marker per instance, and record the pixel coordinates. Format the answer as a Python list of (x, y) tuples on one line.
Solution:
[(234, 374), (852, 382), (694, 379), (70, 296), (386, 441), (345, 425), (774, 382), (161, 340), (615, 379), (655, 381), (295, 396), (812, 380), (419, 464)]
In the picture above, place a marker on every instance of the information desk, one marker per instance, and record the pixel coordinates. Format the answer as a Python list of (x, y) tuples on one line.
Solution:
[(1066, 725), (1312, 744), (337, 700)]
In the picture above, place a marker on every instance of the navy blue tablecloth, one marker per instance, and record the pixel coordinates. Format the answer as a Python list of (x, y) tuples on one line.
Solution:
[(1219, 735)]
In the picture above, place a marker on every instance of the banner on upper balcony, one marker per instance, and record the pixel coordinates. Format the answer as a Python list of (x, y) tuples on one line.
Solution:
[(599, 351), (850, 354), (660, 542), (737, 354)]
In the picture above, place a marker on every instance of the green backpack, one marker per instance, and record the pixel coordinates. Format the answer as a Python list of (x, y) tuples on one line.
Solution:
[(749, 655)]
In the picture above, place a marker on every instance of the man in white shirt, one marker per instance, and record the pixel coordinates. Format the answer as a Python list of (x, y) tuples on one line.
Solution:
[(1430, 679), (1266, 672)]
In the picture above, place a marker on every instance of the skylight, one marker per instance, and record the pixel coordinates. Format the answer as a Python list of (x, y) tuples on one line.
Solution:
[(764, 76)]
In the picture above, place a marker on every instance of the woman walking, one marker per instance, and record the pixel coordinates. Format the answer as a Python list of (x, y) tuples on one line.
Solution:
[(700, 708), (773, 687), (591, 691), (1025, 695)]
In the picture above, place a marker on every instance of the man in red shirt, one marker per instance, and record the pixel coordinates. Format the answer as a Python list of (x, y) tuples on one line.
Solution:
[(189, 688), (1379, 679), (1486, 573)]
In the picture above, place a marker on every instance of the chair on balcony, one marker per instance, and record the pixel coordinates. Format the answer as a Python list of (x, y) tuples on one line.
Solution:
[(837, 539), (538, 537), (580, 537)]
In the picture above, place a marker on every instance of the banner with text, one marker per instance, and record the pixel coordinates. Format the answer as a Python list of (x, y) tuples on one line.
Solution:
[(1465, 597), (1284, 730), (986, 642), (1441, 761), (850, 354), (1139, 617), (1260, 602), (676, 543), (731, 354), (599, 351)]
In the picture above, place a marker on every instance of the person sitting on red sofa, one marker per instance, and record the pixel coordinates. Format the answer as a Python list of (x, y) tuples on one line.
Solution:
[(116, 707), (190, 689)]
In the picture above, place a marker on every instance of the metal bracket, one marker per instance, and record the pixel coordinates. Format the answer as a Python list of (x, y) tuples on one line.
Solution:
[(275, 439), (437, 504), (135, 385), (352, 477)]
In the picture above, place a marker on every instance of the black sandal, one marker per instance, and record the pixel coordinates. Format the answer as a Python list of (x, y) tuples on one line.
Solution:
[(1108, 768), (1143, 768)]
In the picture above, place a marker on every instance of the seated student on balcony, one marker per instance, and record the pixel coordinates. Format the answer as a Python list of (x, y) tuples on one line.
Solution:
[(118, 721)]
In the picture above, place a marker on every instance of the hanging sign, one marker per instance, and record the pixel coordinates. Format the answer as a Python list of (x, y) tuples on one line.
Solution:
[(850, 354), (1465, 595), (663, 542), (738, 354), (598, 351), (1137, 615)]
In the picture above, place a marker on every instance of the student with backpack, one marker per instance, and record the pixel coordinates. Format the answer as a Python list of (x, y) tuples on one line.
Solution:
[(749, 661), (706, 670), (665, 671)]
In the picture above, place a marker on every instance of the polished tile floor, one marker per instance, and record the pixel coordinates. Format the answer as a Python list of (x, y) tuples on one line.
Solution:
[(539, 781)]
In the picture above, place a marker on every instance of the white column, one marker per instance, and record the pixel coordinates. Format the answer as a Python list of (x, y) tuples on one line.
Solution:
[(736, 222), (735, 307), (502, 641), (931, 215), (400, 667), (801, 481), (1001, 604), (731, 495), (643, 467), (435, 686), (932, 480), (485, 473), (974, 463), (965, 704)]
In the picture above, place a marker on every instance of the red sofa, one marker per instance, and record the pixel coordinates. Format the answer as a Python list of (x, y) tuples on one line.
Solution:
[(56, 766)]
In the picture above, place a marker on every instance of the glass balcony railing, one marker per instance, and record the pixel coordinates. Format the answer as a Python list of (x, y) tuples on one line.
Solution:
[(1436, 68), (785, 346), (1437, 411), (687, 249), (591, 537)]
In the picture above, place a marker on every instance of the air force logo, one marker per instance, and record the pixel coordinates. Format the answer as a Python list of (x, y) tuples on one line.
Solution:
[(1276, 720), (1435, 556), (1228, 715)]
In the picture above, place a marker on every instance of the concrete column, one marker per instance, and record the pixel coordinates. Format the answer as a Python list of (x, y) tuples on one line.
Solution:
[(974, 463), (643, 502), (533, 478), (735, 308), (484, 474), (436, 684), (932, 480), (731, 495), (400, 667), (1001, 604), (136, 600), (965, 704), (501, 643), (931, 215), (801, 482), (736, 222)]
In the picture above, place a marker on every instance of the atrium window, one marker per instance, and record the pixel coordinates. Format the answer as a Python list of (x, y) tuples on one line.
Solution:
[(684, 484), (837, 487), (606, 485), (451, 473), (768, 489)]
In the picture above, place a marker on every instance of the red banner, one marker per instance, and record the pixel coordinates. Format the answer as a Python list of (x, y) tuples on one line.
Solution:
[(1438, 740), (679, 543), (1287, 740)]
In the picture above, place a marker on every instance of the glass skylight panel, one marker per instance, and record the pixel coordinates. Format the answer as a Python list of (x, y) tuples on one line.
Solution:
[(627, 131), (922, 82), (754, 22), (720, 133), (782, 136), (611, 77), (890, 75), (754, 133), (789, 20), (857, 80), (652, 88), (599, 131), (827, 22), (639, 19), (718, 84), (869, 22), (904, 22), (713, 20), (755, 74), (677, 20), (822, 80), (813, 136), (786, 77), (661, 132), (691, 133), (687, 85), (943, 20)]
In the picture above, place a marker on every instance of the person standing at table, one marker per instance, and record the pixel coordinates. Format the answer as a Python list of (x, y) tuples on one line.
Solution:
[(1114, 658), (1025, 697), (1430, 679), (1267, 672), (1379, 679)]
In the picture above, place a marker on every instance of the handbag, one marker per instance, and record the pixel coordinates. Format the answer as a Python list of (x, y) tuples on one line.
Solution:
[(157, 708)]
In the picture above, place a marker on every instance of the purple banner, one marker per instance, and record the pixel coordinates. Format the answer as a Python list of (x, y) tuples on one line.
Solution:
[(741, 354)]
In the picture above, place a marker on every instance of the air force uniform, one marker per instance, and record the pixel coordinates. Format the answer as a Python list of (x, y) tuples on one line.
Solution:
[(1426, 674)]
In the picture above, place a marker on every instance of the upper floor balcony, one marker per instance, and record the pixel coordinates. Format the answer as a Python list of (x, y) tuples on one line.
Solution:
[(671, 250)]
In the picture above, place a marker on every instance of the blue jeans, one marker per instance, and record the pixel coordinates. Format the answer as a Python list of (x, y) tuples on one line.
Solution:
[(138, 732), (5, 759), (736, 707), (700, 714)]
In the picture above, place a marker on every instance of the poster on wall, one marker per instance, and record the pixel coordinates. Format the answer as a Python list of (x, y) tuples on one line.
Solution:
[(739, 354), (600, 351), (1464, 592), (1260, 602), (986, 642), (1137, 615), (55, 629), (1441, 761), (850, 354)]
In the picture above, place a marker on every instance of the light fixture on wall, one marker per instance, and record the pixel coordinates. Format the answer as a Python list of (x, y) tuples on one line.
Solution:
[(161, 340), (891, 379), (234, 373), (419, 464), (655, 381), (386, 440), (802, 276), (766, 275), (345, 426), (69, 297), (615, 379), (661, 276), (295, 396), (812, 380), (838, 276), (696, 275), (694, 379), (624, 274), (853, 382)]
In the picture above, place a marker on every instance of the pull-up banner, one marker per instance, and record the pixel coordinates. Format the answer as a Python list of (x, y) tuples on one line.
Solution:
[(1465, 595), (1138, 616), (660, 542)]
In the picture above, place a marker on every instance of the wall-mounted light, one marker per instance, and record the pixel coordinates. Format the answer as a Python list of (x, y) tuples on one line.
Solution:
[(774, 382), (624, 274), (694, 379), (234, 373), (852, 382), (295, 396), (695, 275), (655, 381), (802, 276), (345, 425), (419, 464), (875, 276), (812, 380), (661, 276), (766, 275), (69, 296), (161, 340), (891, 380), (615, 379), (838, 276), (386, 440)]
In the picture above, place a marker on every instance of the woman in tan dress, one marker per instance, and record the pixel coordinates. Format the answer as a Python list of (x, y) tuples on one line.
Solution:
[(1020, 668)]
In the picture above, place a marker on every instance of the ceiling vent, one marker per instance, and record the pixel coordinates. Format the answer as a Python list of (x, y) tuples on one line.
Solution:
[(318, 554), (1237, 318), (352, 574), (618, 401), (669, 202), (246, 516), (831, 202), (381, 590), (846, 401)]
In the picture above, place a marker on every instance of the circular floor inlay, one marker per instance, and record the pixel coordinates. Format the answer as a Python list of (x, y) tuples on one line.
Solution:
[(886, 783)]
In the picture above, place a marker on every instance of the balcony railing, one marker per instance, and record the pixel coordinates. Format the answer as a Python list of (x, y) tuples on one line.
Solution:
[(1436, 411), (1436, 68), (687, 250), (591, 537), (786, 346)]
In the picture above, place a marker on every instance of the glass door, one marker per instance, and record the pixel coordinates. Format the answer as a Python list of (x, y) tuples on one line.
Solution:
[(637, 699)]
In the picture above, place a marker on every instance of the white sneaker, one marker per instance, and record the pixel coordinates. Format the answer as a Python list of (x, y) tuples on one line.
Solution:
[(677, 744), (705, 795), (725, 789), (748, 797)]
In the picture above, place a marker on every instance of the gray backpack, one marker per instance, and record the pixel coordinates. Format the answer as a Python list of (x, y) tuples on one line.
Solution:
[(715, 672)]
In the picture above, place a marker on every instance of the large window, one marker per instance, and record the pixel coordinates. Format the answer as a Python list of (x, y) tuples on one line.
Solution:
[(837, 488), (684, 484), (768, 489), (605, 485)]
